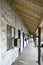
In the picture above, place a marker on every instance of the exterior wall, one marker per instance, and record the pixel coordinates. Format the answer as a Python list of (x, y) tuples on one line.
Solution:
[(7, 16), (0, 41)]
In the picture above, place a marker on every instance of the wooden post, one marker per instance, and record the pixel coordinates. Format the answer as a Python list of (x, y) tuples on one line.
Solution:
[(39, 41)]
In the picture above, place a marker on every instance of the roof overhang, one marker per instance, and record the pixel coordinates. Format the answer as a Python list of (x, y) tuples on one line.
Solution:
[(30, 12)]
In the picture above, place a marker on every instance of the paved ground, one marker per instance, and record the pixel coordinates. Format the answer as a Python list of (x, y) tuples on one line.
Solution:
[(28, 56)]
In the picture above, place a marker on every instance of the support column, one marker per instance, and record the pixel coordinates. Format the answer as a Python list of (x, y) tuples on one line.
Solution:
[(39, 41)]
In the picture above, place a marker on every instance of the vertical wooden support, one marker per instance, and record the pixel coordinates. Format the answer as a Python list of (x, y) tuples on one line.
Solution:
[(39, 41)]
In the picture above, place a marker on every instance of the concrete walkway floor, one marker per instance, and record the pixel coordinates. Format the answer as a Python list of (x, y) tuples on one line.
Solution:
[(29, 56)]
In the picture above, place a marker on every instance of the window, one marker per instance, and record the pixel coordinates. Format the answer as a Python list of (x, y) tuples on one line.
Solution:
[(10, 37)]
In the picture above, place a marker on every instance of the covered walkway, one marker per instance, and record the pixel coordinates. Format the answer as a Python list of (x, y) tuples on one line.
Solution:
[(29, 56), (21, 20)]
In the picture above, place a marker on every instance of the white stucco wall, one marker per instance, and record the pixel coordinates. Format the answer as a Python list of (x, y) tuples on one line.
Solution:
[(7, 16), (0, 41), (21, 41)]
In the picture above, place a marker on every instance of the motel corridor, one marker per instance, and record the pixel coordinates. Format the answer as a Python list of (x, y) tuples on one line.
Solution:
[(21, 32), (29, 56)]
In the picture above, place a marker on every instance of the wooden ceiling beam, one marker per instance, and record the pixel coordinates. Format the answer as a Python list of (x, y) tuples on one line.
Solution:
[(27, 16), (28, 23), (29, 27), (28, 4), (29, 20), (36, 2), (33, 13), (34, 21)]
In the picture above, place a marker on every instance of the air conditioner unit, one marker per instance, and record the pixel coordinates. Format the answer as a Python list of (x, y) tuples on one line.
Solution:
[(17, 43)]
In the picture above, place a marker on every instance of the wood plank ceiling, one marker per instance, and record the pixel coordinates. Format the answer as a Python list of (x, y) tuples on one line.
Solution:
[(30, 12)]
